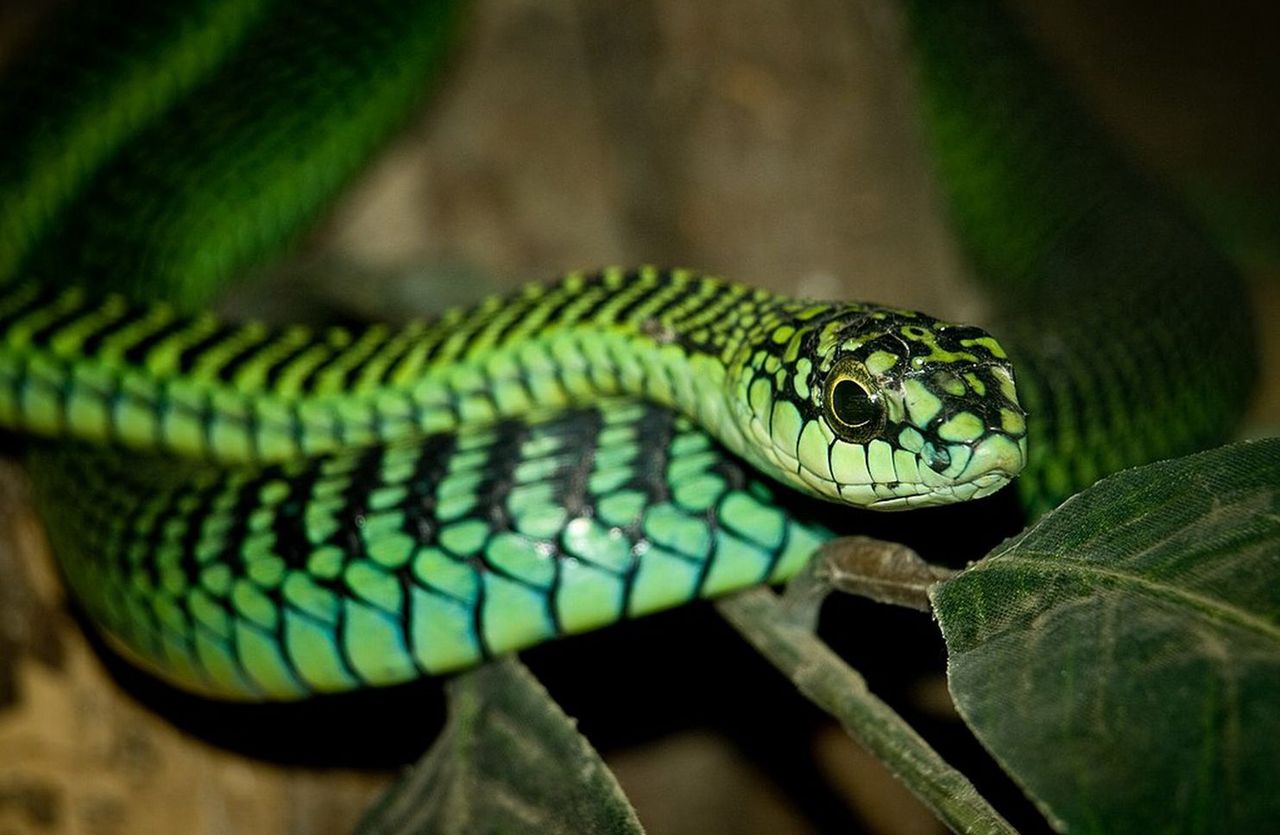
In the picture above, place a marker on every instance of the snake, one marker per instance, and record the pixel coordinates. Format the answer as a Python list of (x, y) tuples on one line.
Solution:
[(271, 512)]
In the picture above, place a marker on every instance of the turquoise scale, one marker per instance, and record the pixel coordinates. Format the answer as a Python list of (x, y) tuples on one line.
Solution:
[(372, 584)]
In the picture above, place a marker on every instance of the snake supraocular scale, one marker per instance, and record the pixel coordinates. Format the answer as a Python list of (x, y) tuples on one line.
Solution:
[(336, 508)]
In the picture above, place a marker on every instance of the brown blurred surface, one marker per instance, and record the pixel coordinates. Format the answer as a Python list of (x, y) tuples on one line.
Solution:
[(771, 143)]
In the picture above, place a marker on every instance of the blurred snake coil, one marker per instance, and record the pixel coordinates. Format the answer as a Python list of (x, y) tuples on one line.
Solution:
[(256, 512)]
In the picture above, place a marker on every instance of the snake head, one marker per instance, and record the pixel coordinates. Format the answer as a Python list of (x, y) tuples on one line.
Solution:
[(883, 408)]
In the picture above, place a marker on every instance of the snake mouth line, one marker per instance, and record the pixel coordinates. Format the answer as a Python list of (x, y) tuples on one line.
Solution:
[(986, 467), (978, 487)]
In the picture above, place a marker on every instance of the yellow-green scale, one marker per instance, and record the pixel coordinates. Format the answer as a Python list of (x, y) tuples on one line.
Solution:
[(249, 394)]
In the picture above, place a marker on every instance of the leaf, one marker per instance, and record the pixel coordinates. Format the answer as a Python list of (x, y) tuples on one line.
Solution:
[(1121, 658), (508, 760)]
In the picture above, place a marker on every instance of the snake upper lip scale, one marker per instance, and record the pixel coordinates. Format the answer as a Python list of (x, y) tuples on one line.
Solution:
[(995, 473)]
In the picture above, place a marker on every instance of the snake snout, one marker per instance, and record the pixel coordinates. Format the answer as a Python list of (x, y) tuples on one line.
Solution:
[(997, 454)]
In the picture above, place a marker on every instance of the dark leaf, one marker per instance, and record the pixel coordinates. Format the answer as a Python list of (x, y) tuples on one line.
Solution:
[(508, 760), (1121, 658)]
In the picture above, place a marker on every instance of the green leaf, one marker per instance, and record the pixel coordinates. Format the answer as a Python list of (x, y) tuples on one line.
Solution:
[(1121, 658), (508, 760)]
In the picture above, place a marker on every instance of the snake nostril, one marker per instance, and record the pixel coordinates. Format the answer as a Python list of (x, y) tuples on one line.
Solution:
[(936, 458)]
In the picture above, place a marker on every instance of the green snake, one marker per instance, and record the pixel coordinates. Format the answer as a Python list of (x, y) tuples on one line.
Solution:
[(255, 512)]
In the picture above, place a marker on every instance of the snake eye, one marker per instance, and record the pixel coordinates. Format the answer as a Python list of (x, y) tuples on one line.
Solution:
[(853, 403)]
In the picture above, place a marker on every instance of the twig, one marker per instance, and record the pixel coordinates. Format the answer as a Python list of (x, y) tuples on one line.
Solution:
[(785, 639), (886, 572)]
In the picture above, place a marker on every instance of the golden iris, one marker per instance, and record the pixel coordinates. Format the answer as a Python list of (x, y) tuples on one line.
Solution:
[(853, 403)]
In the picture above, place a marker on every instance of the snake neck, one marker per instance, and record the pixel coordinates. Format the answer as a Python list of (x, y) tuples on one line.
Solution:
[(100, 369)]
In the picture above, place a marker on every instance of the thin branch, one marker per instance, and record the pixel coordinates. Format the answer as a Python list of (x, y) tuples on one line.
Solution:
[(886, 572), (780, 634)]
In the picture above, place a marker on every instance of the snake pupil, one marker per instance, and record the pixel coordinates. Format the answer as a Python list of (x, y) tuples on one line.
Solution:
[(852, 404)]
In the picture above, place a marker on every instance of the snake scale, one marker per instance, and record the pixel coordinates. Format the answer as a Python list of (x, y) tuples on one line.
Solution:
[(255, 512)]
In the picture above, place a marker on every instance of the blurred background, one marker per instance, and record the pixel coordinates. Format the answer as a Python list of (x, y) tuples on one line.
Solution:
[(772, 143)]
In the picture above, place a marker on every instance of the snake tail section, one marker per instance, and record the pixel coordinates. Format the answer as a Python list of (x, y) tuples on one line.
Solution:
[(379, 565), (243, 122), (1131, 334)]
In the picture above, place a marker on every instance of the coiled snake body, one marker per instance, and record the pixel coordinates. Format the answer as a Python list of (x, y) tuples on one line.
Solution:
[(268, 513)]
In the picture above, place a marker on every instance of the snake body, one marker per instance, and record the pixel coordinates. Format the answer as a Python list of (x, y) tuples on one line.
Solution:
[(343, 509), (256, 512), (158, 134), (1131, 332), (380, 565)]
